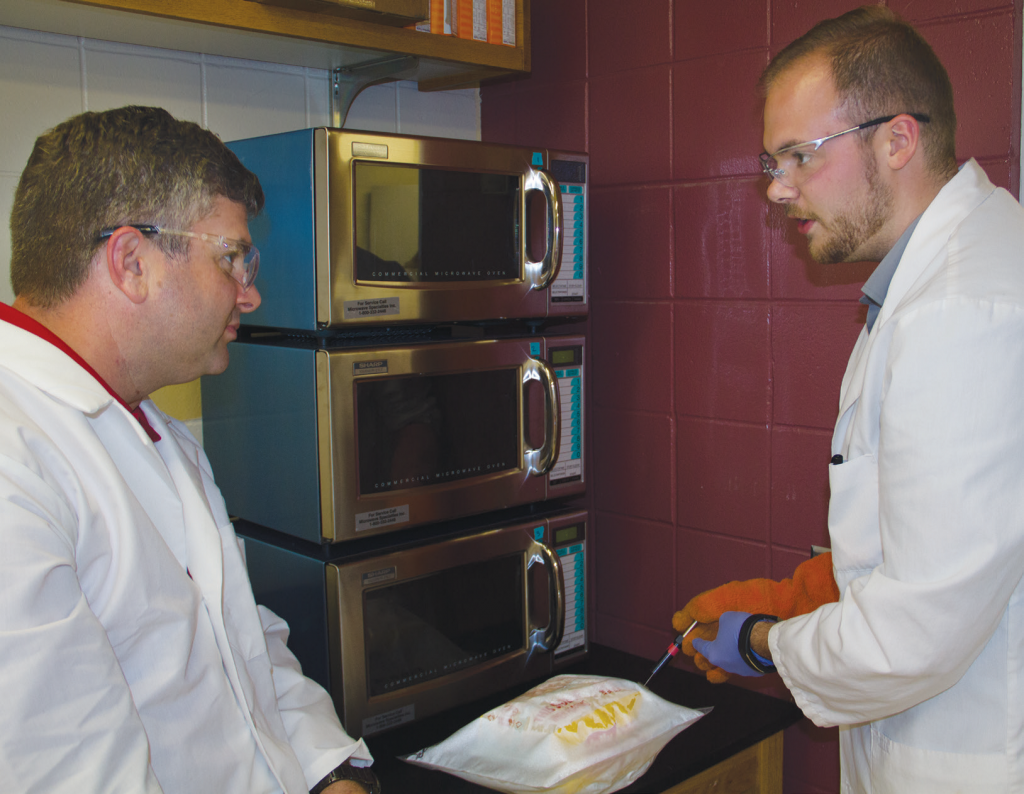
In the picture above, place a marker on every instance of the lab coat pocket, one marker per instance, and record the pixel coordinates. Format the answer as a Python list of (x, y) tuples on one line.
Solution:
[(853, 518), (898, 768)]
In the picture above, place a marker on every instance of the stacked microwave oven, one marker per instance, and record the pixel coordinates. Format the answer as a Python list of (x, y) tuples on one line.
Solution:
[(400, 433)]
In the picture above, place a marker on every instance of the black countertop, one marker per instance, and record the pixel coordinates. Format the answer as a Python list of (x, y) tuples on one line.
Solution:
[(739, 719)]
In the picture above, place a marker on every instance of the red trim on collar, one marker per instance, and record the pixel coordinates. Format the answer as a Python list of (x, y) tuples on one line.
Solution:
[(11, 315)]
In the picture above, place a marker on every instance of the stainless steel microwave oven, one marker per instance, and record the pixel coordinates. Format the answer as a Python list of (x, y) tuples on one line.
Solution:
[(331, 444), (397, 635), (365, 228)]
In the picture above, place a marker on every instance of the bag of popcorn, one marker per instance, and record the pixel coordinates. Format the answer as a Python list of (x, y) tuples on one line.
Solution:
[(573, 734)]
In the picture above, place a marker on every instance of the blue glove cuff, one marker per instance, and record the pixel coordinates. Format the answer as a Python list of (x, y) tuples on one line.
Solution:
[(761, 659)]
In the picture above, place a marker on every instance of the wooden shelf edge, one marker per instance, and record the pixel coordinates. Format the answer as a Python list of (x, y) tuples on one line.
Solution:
[(467, 79), (323, 29)]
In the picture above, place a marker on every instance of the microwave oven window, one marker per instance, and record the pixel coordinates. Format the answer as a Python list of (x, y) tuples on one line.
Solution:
[(429, 224), (419, 431), (438, 624)]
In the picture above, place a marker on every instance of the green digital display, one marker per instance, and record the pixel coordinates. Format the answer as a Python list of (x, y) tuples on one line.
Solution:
[(567, 534), (564, 356)]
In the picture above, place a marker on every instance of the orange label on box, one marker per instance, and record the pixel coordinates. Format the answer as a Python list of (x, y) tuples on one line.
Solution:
[(471, 19), (434, 23), (441, 17), (501, 22)]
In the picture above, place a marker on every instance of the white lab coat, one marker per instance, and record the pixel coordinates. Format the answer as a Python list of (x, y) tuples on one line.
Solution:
[(123, 671), (921, 661)]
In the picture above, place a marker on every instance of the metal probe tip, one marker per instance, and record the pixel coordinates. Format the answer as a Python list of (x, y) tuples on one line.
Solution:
[(673, 649)]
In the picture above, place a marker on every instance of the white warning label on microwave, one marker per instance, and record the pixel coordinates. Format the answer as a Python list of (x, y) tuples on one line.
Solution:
[(371, 307), (389, 719), (387, 517), (371, 578)]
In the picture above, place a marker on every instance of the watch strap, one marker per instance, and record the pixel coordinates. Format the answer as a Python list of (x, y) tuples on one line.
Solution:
[(754, 660), (363, 775)]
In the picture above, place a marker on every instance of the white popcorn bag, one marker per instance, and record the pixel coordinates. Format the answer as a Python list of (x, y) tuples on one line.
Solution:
[(573, 734)]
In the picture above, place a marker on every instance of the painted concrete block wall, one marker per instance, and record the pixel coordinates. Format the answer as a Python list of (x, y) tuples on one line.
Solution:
[(718, 346)]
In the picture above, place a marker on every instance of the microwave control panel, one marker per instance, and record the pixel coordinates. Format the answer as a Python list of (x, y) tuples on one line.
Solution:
[(569, 289), (567, 363), (569, 542)]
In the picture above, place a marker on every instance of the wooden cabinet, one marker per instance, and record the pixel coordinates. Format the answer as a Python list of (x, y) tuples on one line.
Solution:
[(756, 770), (243, 29)]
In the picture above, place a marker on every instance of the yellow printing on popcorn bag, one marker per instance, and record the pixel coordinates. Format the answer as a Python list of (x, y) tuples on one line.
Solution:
[(618, 712), (573, 734)]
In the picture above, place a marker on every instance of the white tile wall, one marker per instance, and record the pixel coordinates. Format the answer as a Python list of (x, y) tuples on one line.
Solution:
[(44, 78), (40, 85), (114, 75)]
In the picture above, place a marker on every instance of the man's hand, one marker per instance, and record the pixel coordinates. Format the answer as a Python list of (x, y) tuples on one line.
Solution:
[(349, 779), (724, 651), (811, 586), (344, 787), (706, 629)]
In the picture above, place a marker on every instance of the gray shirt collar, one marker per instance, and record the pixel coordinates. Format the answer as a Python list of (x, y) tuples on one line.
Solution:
[(877, 286)]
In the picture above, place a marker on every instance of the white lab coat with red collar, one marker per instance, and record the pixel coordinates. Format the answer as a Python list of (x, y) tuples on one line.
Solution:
[(133, 656), (921, 661)]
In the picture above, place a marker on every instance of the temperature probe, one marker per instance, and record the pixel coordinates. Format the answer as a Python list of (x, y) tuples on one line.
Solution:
[(673, 649)]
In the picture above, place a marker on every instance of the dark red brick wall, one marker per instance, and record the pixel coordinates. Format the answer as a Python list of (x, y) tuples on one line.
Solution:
[(717, 346)]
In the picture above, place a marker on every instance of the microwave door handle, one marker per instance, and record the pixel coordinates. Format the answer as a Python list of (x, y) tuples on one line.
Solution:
[(540, 461), (547, 638), (542, 273)]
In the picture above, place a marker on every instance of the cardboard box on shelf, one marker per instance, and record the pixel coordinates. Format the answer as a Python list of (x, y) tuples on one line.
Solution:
[(470, 19), (440, 19), (501, 22)]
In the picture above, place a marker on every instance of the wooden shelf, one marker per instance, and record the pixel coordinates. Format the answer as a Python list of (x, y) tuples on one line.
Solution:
[(243, 29)]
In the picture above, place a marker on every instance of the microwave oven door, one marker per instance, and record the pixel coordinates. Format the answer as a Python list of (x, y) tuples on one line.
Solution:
[(418, 434), (420, 630), (364, 228), (432, 229), (334, 445)]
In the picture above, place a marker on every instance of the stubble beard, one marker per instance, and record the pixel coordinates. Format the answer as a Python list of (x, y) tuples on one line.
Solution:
[(851, 229)]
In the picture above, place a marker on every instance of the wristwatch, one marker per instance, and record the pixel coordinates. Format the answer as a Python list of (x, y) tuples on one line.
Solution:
[(748, 654), (362, 775)]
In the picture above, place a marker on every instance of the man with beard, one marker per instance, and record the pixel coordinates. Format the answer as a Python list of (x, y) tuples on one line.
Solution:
[(910, 635)]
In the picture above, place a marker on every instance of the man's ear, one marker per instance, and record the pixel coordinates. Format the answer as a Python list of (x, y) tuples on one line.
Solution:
[(125, 266), (903, 139)]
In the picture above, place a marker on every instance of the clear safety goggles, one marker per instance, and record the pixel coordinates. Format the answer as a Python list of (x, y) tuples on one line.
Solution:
[(241, 260), (793, 165)]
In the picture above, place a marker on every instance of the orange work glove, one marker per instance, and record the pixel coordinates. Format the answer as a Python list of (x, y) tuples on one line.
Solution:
[(811, 586)]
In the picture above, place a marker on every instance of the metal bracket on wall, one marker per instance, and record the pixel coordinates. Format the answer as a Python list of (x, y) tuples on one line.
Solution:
[(348, 81)]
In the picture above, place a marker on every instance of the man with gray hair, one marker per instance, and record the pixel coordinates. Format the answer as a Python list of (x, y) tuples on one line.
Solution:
[(134, 657), (910, 635)]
